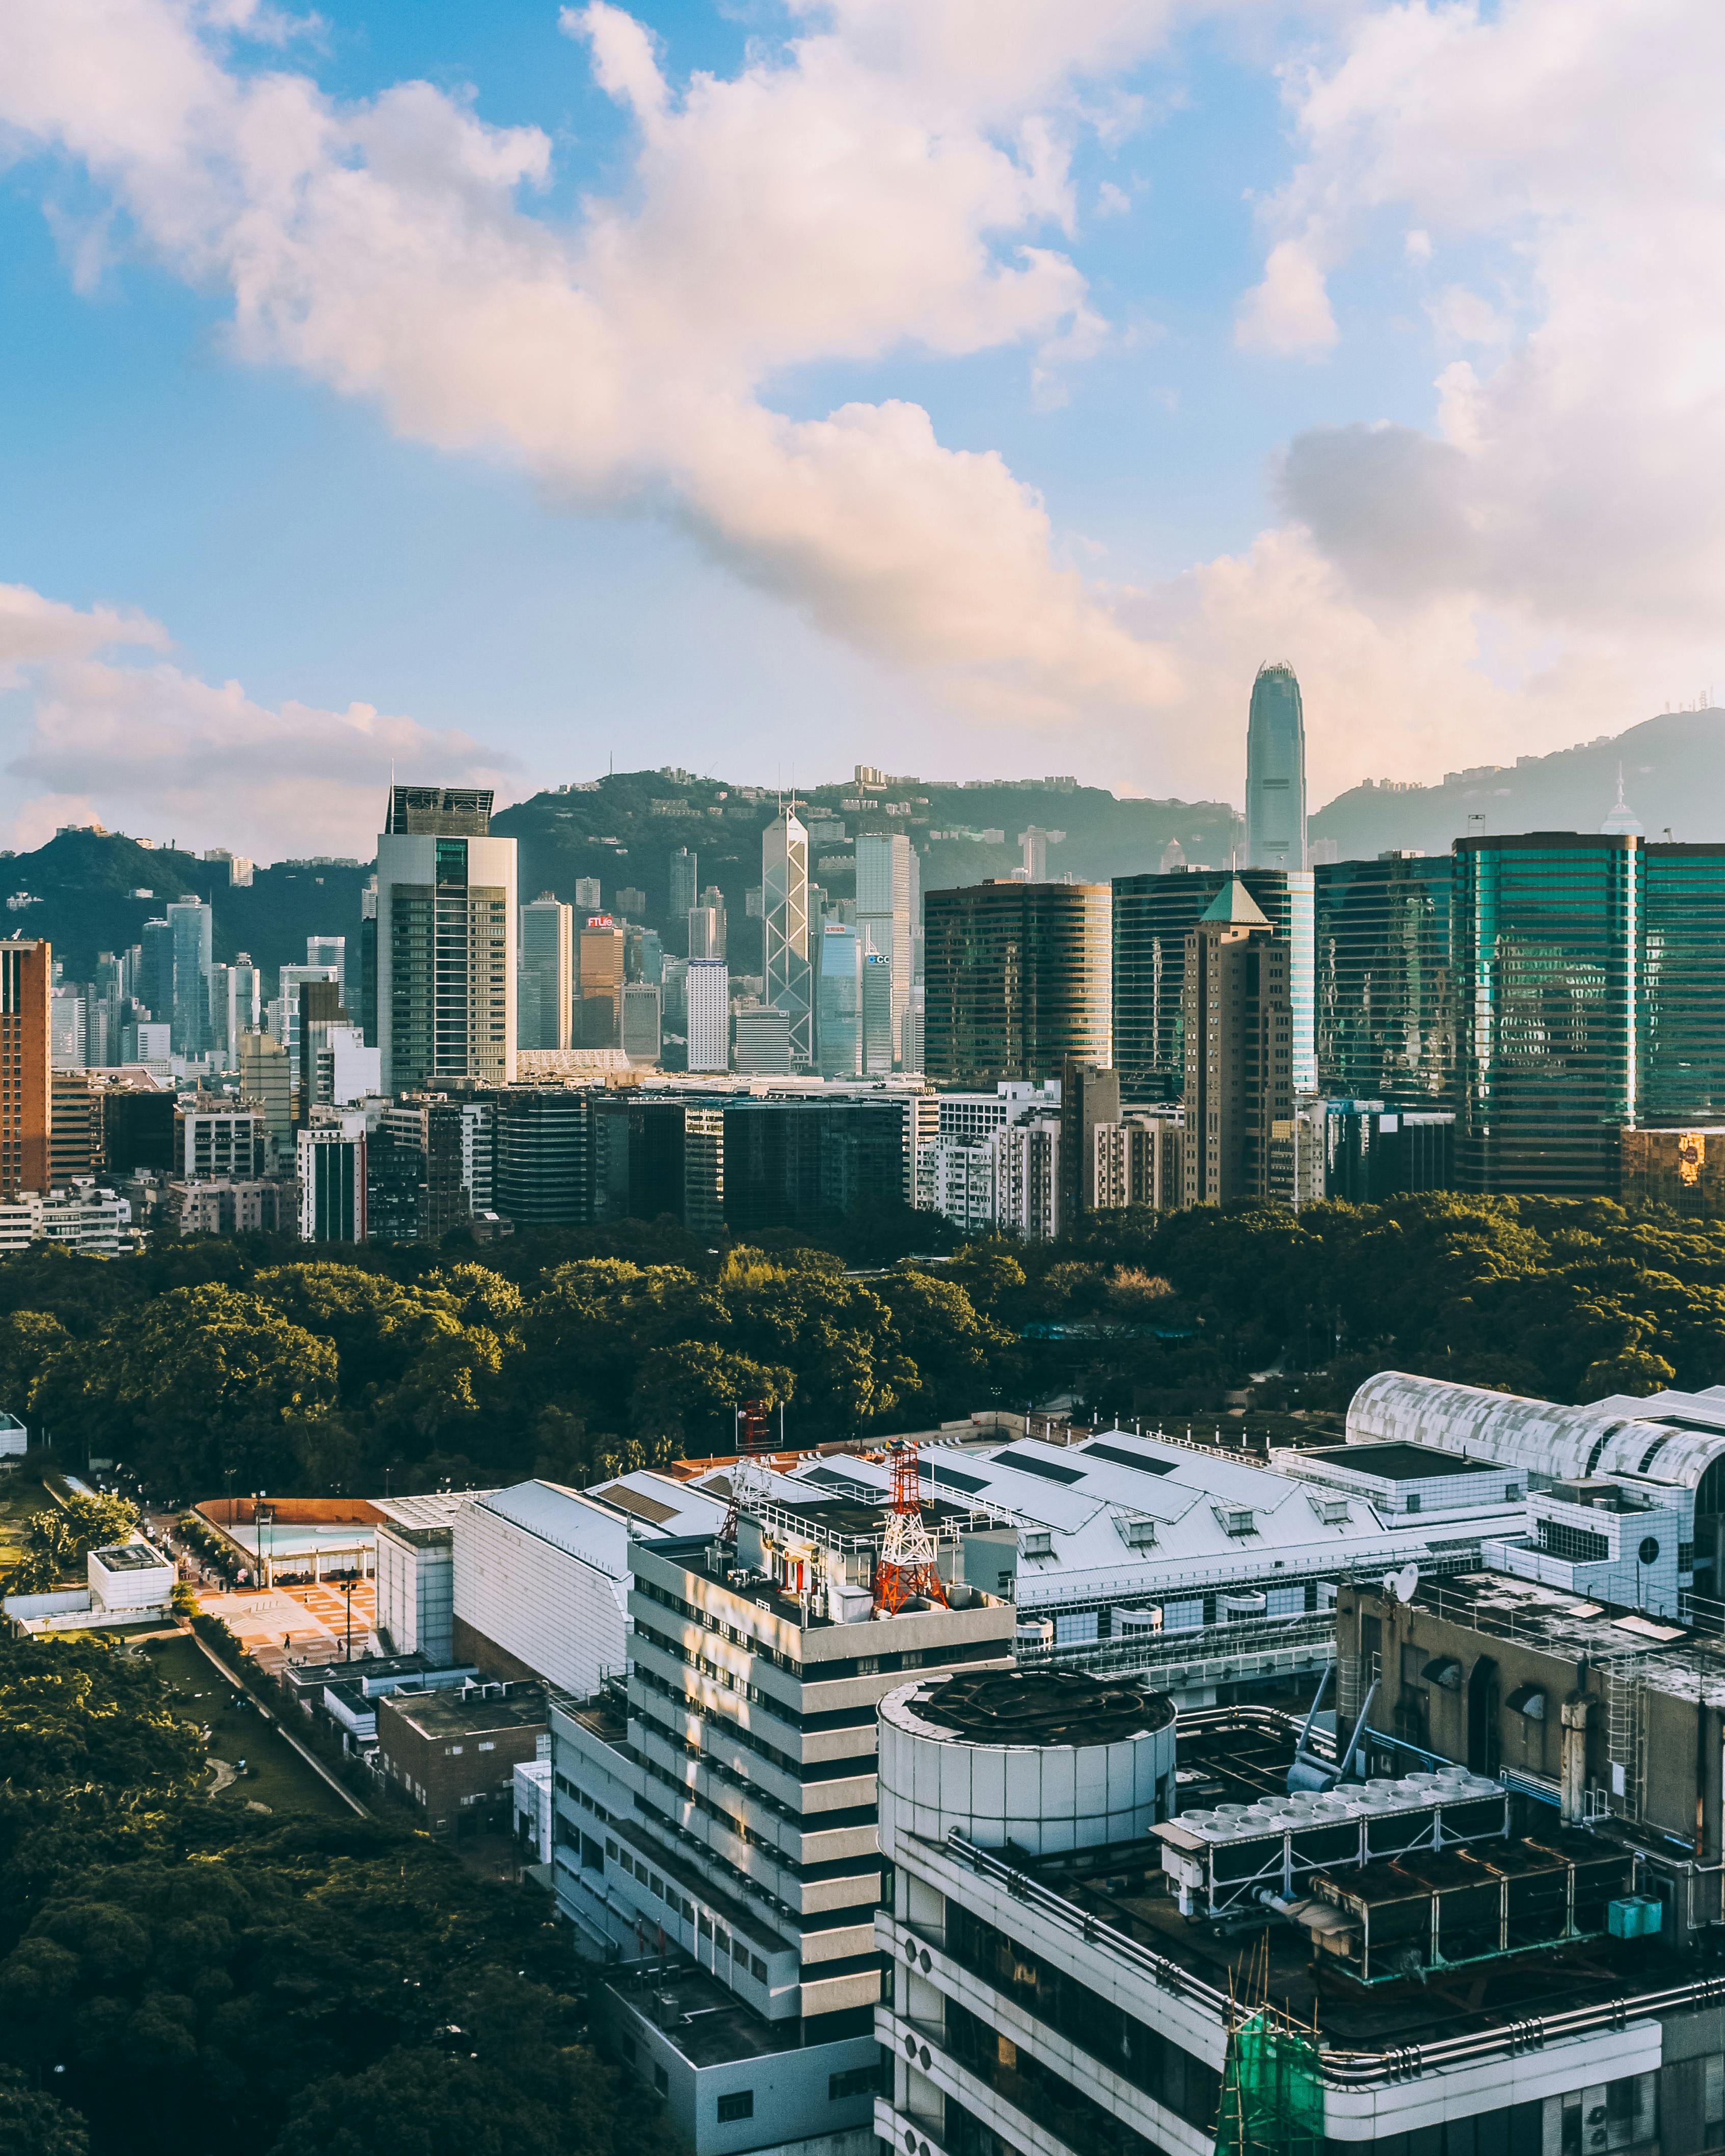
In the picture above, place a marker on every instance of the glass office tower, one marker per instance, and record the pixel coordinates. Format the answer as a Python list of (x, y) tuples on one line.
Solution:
[(1682, 1010), (1546, 930), (1017, 980), (1386, 1001), (1276, 771), (1151, 917)]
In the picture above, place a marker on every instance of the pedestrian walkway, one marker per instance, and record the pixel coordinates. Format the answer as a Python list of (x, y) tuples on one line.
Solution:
[(279, 1625)]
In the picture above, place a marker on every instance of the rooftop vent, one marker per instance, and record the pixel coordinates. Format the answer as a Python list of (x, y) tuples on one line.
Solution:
[(1136, 1532), (1237, 1519), (1036, 1542)]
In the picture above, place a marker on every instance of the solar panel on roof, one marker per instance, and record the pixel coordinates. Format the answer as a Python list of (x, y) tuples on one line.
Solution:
[(951, 1475), (1029, 1465), (1123, 1458)]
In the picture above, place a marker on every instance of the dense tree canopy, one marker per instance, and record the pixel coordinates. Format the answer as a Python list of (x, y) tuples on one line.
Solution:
[(166, 1958), (573, 1355)]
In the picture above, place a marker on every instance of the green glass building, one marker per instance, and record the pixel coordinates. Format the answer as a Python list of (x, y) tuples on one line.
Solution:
[(1016, 980), (1387, 1014), (1680, 1057), (1152, 916), (1546, 938)]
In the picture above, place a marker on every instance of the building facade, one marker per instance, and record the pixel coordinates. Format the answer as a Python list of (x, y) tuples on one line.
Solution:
[(1238, 1041), (707, 993), (887, 903), (1018, 977), (1387, 1017), (27, 1065), (784, 912), (446, 927), (1276, 771), (545, 994)]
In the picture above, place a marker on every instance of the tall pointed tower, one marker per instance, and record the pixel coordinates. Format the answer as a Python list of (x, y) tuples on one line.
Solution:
[(784, 907), (1276, 771)]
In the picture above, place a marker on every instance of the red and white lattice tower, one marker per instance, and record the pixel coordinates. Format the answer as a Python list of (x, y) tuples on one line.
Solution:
[(906, 1567)]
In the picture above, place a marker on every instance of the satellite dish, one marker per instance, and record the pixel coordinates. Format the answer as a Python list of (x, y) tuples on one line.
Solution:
[(1404, 1583)]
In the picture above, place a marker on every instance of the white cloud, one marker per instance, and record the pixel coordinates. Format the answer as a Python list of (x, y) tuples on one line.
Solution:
[(1290, 311), (152, 749), (890, 177), (1112, 201)]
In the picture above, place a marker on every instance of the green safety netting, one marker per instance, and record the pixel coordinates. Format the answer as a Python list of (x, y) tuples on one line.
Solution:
[(1272, 2099)]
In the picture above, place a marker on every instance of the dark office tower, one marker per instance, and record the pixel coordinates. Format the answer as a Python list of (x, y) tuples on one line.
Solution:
[(1018, 980), (1387, 1013), (788, 1162), (541, 1172), (369, 962), (657, 1159), (320, 1006), (681, 887), (1238, 1034), (1152, 917), (1089, 1095), (1681, 1056), (156, 971), (138, 1131), (1276, 771), (1544, 941)]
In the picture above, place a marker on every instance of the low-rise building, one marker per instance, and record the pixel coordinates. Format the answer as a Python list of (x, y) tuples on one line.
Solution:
[(455, 1752)]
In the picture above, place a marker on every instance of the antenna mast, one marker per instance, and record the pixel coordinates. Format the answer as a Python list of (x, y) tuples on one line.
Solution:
[(907, 1567)]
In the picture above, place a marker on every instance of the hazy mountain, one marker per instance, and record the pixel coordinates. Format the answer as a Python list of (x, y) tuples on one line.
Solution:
[(1672, 777)]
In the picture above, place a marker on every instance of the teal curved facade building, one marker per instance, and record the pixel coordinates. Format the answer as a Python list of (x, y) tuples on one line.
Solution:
[(1276, 771)]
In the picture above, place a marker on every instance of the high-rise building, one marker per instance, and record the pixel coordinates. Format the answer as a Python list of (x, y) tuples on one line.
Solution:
[(1152, 916), (712, 900), (330, 951), (332, 1181), (1546, 933), (26, 1067), (540, 1173), (784, 912), (1276, 771), (155, 988), (1137, 1161), (446, 922), (1680, 1058), (886, 916), (1033, 854), (266, 1078), (235, 1005), (708, 991), (545, 996), (1090, 1095), (838, 1028), (682, 883), (761, 1041), (631, 901), (1018, 980), (75, 1128), (368, 1013), (1387, 1014), (703, 935), (285, 1008), (789, 1162), (878, 1038), (1238, 1035), (643, 1027), (69, 1028), (191, 926), (601, 991)]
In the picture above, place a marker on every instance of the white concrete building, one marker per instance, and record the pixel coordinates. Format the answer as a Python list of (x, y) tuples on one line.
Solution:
[(129, 1577), (87, 1217), (415, 1566), (542, 1572)]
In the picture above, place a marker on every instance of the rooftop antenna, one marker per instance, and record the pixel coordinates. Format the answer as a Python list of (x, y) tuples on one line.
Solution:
[(908, 1566)]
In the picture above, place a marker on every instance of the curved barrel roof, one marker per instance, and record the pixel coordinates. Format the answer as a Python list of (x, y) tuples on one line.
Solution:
[(1672, 1437)]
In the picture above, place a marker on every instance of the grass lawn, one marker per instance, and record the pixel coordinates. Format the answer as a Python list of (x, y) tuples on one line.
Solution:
[(275, 1774), (20, 1495)]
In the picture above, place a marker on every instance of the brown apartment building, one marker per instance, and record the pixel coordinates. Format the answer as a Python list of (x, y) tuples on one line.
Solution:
[(455, 1752), (25, 1106)]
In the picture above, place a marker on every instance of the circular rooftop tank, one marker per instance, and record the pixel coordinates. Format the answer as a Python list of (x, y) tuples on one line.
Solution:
[(1043, 1706)]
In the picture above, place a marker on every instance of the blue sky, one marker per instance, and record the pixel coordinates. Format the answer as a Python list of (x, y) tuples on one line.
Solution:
[(354, 500)]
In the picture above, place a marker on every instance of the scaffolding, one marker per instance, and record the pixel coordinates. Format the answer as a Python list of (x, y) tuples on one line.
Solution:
[(1272, 2099)]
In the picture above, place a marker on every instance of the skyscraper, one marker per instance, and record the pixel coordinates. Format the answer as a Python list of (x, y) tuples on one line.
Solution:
[(190, 924), (330, 951), (1018, 980), (1152, 916), (1545, 939), (602, 974), (886, 914), (154, 970), (707, 990), (446, 925), (26, 1080), (1387, 1016), (838, 1015), (1238, 1040), (878, 1038), (1680, 1012), (546, 993), (784, 908), (1276, 771), (682, 883)]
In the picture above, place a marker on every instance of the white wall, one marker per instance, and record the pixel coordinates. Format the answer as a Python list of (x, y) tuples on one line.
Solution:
[(555, 1612)]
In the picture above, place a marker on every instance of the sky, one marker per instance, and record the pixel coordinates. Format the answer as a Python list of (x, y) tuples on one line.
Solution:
[(492, 391)]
